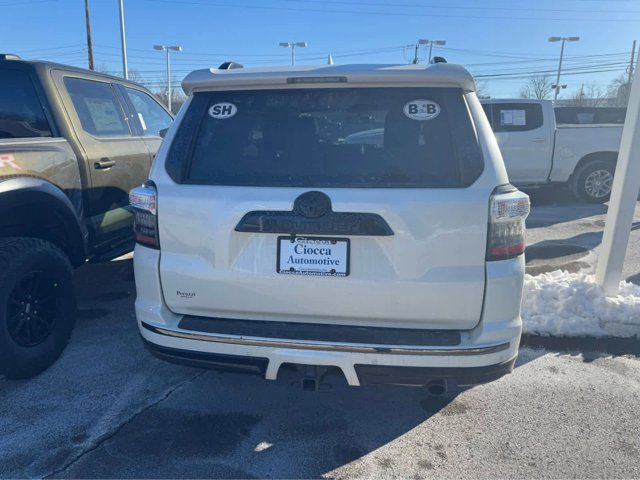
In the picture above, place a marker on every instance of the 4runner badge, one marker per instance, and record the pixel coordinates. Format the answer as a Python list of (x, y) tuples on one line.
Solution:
[(421, 109), (223, 110)]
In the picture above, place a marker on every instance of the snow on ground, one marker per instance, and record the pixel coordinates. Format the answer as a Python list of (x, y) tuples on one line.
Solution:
[(566, 304)]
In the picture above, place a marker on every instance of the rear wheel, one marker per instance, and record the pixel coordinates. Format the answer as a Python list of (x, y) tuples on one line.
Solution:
[(37, 305), (593, 181)]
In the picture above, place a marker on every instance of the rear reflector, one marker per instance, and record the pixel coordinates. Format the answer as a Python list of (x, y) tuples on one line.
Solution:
[(509, 209), (143, 201)]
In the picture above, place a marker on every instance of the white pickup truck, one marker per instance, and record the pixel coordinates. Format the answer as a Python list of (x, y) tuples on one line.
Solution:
[(537, 151)]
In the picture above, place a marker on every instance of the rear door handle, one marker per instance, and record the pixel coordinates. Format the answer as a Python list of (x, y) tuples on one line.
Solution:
[(103, 164)]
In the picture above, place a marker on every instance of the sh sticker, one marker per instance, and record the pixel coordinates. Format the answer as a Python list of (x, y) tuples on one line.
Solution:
[(223, 110), (421, 109)]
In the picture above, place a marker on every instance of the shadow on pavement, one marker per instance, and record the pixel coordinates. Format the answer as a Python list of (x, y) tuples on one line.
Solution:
[(121, 413)]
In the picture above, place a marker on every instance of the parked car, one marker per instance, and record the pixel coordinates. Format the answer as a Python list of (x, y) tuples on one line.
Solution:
[(72, 144), (537, 151), (265, 239)]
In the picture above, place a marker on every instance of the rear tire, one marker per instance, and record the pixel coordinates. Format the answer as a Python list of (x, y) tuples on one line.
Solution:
[(592, 182), (37, 305)]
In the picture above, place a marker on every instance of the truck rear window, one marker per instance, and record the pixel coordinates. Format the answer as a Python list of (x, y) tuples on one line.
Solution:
[(21, 113), (340, 137)]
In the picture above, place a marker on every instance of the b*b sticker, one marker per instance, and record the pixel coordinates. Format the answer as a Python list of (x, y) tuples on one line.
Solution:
[(421, 109)]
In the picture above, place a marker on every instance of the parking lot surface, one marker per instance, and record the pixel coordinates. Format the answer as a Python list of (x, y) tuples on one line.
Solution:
[(109, 409), (563, 234)]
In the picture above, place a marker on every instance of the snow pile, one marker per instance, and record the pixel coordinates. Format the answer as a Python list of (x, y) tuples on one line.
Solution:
[(572, 305)]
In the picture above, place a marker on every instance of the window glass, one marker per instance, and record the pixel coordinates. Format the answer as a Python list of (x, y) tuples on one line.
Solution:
[(590, 115), (21, 114), (347, 137), (99, 111), (152, 116), (515, 117)]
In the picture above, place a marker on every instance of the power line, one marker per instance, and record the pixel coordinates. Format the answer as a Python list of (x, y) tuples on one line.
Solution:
[(454, 7), (393, 13)]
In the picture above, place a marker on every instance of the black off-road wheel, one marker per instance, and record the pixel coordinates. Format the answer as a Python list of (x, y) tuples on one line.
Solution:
[(592, 182), (37, 305)]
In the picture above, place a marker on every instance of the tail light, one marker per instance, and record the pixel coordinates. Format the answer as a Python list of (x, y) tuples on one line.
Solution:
[(144, 201), (508, 210)]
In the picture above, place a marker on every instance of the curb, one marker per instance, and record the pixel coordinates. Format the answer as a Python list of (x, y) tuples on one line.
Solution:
[(611, 345)]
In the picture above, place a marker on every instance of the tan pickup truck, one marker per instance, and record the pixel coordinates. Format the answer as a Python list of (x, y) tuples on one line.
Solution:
[(72, 144)]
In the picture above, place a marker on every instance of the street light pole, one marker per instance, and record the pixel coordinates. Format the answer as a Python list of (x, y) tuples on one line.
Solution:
[(431, 43), (168, 49), (123, 41), (563, 40), (292, 46)]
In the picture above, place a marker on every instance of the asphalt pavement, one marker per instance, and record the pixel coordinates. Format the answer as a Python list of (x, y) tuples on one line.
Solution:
[(565, 234), (109, 409)]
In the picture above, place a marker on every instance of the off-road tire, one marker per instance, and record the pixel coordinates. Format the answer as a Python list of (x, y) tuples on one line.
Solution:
[(584, 173), (29, 265)]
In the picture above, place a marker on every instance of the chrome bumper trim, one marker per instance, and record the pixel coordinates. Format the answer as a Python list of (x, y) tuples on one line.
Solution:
[(333, 347)]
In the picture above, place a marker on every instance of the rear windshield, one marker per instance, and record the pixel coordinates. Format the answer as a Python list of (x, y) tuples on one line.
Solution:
[(347, 137)]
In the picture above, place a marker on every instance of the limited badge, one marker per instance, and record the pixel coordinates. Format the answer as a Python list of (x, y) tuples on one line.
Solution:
[(223, 110), (421, 109)]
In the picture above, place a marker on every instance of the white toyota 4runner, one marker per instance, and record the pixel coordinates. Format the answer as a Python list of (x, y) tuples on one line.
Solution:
[(279, 227)]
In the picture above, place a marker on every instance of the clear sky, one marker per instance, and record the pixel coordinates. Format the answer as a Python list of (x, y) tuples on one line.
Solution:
[(506, 39)]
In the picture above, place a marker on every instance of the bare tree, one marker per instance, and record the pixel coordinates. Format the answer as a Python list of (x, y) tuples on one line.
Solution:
[(104, 68), (619, 91), (538, 87), (136, 76), (482, 89), (587, 96)]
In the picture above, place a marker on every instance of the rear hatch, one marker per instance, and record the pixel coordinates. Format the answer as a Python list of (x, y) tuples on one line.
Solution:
[(331, 205)]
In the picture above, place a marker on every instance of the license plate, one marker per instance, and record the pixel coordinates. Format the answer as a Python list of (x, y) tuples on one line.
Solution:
[(319, 256)]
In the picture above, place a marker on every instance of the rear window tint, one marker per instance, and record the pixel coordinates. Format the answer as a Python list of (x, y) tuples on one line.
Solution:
[(347, 137), (590, 115), (21, 113)]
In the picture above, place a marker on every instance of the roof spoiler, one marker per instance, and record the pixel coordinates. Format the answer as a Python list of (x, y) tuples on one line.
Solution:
[(9, 56), (230, 66)]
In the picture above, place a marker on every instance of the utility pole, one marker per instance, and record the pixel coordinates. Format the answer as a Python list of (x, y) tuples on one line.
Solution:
[(123, 41), (563, 40), (292, 46), (633, 54), (89, 42), (167, 49)]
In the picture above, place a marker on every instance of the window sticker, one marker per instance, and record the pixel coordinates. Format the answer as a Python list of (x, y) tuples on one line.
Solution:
[(223, 110), (513, 118), (421, 109), (104, 115)]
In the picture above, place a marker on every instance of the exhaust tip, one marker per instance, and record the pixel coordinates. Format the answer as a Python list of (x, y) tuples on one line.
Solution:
[(437, 387)]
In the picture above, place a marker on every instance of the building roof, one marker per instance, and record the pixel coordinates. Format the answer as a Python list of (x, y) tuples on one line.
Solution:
[(445, 74)]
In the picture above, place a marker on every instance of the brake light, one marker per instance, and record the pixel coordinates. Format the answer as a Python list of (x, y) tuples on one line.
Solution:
[(508, 210), (144, 202)]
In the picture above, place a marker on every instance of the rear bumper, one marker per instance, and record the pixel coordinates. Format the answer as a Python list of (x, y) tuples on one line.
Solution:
[(366, 374), (476, 356)]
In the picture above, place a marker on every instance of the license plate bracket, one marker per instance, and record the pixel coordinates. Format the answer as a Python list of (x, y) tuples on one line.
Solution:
[(313, 256)]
